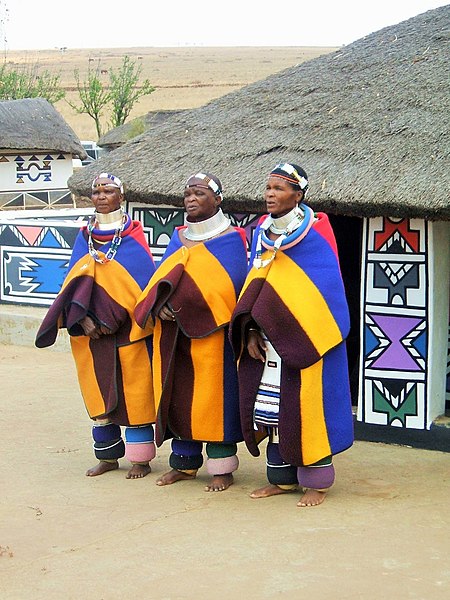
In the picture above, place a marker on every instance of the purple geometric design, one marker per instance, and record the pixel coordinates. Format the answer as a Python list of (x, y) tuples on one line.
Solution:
[(396, 357)]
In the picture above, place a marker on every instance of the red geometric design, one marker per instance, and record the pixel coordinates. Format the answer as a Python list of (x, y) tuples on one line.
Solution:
[(411, 237), (31, 234)]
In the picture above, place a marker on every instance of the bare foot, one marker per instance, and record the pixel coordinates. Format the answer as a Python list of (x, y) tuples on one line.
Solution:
[(312, 498), (173, 476), (219, 483), (102, 467), (138, 471), (269, 490)]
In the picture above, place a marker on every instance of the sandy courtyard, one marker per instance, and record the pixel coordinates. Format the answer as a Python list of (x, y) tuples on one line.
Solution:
[(383, 532)]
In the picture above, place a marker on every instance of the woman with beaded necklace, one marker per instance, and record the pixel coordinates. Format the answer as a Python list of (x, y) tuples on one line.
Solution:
[(191, 297), (110, 265), (288, 331)]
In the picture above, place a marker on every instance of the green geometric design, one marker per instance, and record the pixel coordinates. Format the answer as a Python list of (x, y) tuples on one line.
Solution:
[(163, 221), (408, 408)]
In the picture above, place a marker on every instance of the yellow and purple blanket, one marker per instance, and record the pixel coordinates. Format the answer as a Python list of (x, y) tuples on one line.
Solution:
[(194, 372), (114, 371), (298, 300)]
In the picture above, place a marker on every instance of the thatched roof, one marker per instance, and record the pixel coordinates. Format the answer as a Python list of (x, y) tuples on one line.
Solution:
[(369, 123), (126, 132), (33, 124)]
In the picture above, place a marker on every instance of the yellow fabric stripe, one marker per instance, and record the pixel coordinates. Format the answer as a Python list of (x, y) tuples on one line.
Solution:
[(314, 436), (120, 285), (137, 383), (178, 257), (210, 276), (310, 309), (207, 409), (86, 376), (122, 288)]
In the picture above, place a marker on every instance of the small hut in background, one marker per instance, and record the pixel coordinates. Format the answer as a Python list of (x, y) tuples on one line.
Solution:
[(37, 148), (369, 123), (118, 136)]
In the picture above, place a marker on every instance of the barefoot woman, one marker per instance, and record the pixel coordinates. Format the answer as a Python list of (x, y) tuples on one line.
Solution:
[(110, 265), (288, 329), (191, 296)]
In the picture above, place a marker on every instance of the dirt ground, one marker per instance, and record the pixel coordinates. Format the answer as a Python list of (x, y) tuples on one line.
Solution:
[(183, 77), (383, 531)]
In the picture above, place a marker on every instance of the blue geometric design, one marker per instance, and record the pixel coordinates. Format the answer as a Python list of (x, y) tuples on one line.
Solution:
[(48, 274), (50, 241), (370, 341), (420, 344)]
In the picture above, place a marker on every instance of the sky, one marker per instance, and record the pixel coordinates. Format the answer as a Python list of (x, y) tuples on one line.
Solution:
[(31, 25)]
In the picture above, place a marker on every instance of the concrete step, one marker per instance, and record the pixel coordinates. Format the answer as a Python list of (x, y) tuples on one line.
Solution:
[(19, 325)]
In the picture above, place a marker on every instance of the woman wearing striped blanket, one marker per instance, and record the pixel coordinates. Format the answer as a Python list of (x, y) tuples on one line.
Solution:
[(191, 297), (288, 331), (110, 265)]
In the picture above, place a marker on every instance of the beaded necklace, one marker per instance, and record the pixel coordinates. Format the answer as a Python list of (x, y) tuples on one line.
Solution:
[(298, 226), (115, 243)]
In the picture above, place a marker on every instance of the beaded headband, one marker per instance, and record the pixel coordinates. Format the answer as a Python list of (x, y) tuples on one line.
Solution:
[(293, 176), (208, 181), (115, 181)]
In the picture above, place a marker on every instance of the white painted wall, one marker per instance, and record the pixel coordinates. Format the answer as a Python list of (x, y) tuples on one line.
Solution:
[(35, 172)]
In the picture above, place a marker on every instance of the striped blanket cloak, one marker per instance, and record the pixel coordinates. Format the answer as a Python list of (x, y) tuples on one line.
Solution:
[(299, 301), (114, 371), (194, 372)]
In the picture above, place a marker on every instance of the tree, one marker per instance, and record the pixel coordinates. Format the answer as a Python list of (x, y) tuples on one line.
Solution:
[(124, 90), (121, 95), (29, 82), (93, 95)]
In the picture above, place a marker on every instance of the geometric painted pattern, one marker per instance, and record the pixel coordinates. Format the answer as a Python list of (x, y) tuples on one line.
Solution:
[(401, 342), (35, 181), (34, 255), (32, 276), (395, 323), (59, 198), (159, 224), (397, 403)]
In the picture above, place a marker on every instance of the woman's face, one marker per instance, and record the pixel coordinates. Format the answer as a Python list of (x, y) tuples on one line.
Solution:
[(281, 197), (105, 196), (200, 202)]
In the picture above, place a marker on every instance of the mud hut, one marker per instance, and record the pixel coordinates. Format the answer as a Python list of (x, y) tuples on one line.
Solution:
[(369, 123), (37, 148)]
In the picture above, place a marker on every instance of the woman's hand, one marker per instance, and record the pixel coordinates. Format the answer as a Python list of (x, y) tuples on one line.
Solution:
[(166, 314), (255, 345), (90, 328)]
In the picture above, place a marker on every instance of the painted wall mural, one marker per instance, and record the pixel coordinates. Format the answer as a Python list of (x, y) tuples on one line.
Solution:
[(395, 323), (35, 180), (34, 255)]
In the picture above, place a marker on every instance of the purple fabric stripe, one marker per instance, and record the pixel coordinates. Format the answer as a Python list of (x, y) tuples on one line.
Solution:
[(286, 335), (318, 478), (290, 441), (179, 420), (194, 315)]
